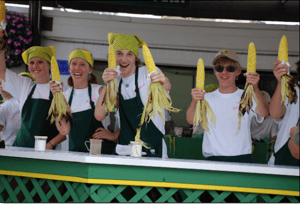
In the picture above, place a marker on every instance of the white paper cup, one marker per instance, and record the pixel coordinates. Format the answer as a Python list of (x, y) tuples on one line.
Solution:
[(40, 143), (136, 149), (178, 131)]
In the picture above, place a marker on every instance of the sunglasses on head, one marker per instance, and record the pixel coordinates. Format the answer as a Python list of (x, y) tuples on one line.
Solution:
[(229, 68)]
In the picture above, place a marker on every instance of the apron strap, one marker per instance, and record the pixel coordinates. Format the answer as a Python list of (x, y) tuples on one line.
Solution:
[(90, 95)]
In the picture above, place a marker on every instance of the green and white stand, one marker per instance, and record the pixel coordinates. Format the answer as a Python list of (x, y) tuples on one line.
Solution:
[(80, 177)]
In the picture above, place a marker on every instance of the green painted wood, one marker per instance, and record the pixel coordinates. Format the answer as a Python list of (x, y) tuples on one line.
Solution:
[(221, 197), (249, 198), (277, 199), (139, 173), (39, 190), (293, 199), (140, 194), (114, 193), (9, 190), (55, 191), (120, 189), (166, 195), (71, 192), (193, 196)]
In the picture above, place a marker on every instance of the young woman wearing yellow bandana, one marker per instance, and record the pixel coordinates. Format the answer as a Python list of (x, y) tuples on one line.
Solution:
[(133, 86), (34, 97), (82, 97)]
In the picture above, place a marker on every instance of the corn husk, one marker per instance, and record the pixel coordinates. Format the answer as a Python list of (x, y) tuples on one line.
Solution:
[(59, 106), (158, 99), (288, 82), (246, 102), (202, 107), (112, 89)]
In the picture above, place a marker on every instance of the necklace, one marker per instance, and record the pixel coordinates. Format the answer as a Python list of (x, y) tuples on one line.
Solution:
[(129, 80)]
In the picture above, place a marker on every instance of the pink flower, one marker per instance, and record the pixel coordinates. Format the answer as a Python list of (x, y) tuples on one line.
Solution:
[(12, 62), (12, 31), (9, 41), (21, 19), (20, 26), (23, 50), (20, 37), (8, 17), (13, 24), (29, 32), (7, 57), (15, 43), (17, 52), (26, 19)]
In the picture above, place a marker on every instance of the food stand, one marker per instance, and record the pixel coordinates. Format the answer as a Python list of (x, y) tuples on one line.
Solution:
[(87, 178)]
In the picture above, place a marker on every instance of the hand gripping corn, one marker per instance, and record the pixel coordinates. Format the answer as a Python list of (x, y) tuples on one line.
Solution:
[(288, 82), (157, 99), (246, 99), (59, 107), (202, 107), (112, 89)]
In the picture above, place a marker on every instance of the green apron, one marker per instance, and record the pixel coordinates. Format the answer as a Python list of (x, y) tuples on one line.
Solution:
[(35, 122), (130, 116), (284, 156), (83, 128), (247, 158)]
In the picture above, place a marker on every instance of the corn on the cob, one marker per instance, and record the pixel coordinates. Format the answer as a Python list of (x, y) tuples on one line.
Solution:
[(288, 82), (202, 107), (2, 11), (112, 89), (157, 99), (59, 106), (3, 41), (246, 99)]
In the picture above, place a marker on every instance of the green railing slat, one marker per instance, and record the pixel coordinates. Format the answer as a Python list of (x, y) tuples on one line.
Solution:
[(120, 189), (24, 190), (239, 195), (140, 194), (192, 196), (292, 199), (71, 192), (249, 198), (102, 192), (94, 187), (266, 198), (277, 199), (83, 194), (55, 191), (39, 190), (221, 197), (167, 195), (114, 193)]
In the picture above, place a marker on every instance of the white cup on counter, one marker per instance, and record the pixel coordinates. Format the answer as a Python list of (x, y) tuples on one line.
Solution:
[(178, 131), (40, 143), (136, 149), (95, 146)]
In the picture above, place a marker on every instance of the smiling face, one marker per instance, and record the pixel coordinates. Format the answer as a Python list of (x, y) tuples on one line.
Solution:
[(127, 62), (227, 79), (39, 68), (80, 69)]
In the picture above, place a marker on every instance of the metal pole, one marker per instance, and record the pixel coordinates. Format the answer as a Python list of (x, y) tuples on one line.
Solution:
[(35, 15)]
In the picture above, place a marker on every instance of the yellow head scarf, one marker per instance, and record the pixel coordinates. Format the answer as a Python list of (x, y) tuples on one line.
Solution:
[(36, 51), (83, 54)]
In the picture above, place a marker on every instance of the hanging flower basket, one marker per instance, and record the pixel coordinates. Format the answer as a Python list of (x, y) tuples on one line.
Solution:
[(19, 37)]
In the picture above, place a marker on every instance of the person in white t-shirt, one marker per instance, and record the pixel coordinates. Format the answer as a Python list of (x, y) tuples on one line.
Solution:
[(35, 97), (224, 142), (287, 116), (268, 128), (10, 120), (82, 96), (133, 92)]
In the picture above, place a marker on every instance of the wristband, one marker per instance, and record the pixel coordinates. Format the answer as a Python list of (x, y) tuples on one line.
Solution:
[(51, 144)]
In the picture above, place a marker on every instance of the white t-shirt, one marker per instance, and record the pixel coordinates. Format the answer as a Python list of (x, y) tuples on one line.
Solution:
[(285, 124), (268, 128), (224, 139), (19, 87), (10, 119), (129, 92), (81, 98)]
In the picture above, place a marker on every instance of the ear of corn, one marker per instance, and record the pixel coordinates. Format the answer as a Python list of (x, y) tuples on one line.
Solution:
[(157, 99), (59, 106), (246, 102), (202, 107), (288, 82), (283, 50), (112, 89), (251, 62)]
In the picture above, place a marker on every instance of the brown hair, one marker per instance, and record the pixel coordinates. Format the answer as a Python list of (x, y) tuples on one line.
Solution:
[(224, 60)]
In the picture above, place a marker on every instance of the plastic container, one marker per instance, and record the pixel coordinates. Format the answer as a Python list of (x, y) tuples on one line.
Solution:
[(40, 143), (95, 146)]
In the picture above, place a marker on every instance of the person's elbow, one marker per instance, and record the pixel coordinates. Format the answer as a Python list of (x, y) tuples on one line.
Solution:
[(99, 117)]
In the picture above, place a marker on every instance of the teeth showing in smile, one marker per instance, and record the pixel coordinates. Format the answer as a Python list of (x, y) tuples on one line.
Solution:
[(124, 65), (77, 74), (224, 77), (36, 71)]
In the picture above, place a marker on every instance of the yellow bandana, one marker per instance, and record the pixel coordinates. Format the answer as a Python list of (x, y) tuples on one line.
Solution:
[(36, 51), (83, 54), (126, 42)]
